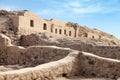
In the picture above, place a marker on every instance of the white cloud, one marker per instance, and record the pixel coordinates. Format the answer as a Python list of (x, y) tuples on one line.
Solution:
[(77, 8), (88, 9), (50, 12), (74, 4), (9, 8), (92, 6)]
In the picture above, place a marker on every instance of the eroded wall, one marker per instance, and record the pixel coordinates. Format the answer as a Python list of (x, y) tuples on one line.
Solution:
[(16, 55), (94, 34), (50, 71), (76, 63), (31, 56), (100, 67), (25, 26), (65, 30), (104, 51)]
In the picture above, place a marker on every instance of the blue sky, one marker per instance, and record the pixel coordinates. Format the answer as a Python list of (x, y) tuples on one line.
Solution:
[(100, 14)]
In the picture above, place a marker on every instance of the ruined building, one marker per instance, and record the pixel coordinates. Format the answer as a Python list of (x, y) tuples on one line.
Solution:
[(44, 60), (26, 23)]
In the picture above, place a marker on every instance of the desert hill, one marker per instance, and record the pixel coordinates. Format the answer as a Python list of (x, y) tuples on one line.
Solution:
[(40, 56), (7, 28)]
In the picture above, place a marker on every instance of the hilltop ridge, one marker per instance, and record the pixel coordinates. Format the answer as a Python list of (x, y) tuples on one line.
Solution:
[(82, 33)]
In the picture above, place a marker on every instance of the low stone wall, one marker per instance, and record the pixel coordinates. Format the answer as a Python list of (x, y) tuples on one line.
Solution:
[(63, 62), (104, 51), (31, 56), (100, 67), (48, 71), (75, 64)]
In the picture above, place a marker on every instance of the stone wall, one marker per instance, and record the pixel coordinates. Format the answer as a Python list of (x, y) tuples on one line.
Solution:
[(100, 67), (34, 56), (104, 51), (49, 71), (31, 56), (95, 34), (23, 23), (76, 63), (19, 22), (60, 25)]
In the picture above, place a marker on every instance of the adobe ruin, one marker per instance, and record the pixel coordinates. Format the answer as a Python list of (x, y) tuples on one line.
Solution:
[(51, 62), (28, 23), (41, 57)]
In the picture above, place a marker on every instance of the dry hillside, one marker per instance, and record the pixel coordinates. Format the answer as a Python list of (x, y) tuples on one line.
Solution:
[(7, 28), (43, 57)]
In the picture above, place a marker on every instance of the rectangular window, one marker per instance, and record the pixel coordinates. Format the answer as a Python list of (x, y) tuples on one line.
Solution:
[(56, 31), (64, 32), (60, 31), (44, 26), (31, 23), (69, 33), (52, 27)]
